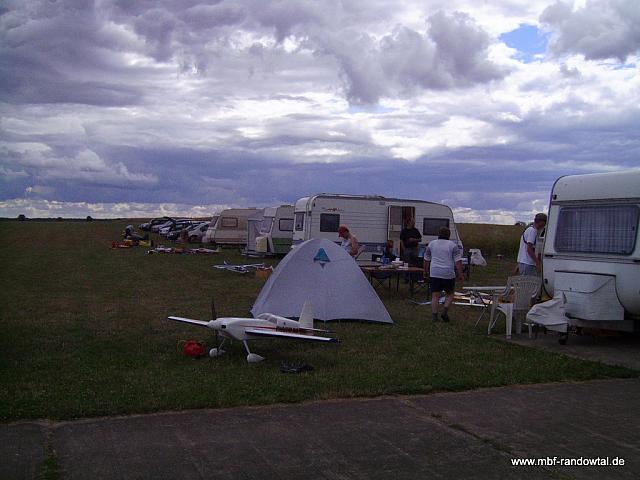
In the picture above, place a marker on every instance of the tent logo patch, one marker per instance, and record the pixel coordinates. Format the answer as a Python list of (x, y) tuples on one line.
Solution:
[(321, 257)]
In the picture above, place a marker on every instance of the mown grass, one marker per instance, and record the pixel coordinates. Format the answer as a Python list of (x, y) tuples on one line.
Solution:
[(84, 333), (491, 239)]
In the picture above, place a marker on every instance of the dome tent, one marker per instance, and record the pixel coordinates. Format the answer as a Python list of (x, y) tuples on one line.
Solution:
[(320, 271)]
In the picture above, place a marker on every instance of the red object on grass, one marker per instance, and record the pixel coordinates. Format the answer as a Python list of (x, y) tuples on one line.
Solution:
[(194, 349)]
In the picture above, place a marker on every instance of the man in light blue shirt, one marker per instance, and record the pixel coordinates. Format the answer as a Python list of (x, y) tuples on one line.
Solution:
[(441, 260)]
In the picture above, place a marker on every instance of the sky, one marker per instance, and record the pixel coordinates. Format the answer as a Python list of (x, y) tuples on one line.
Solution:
[(137, 109)]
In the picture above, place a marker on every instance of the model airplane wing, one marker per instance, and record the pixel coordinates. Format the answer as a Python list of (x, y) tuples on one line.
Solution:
[(189, 320), (265, 332)]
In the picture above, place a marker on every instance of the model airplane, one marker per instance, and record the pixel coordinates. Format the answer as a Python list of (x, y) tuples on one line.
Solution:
[(265, 325), (239, 268)]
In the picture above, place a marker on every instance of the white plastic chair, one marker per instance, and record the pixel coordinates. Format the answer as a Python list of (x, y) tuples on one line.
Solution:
[(521, 290)]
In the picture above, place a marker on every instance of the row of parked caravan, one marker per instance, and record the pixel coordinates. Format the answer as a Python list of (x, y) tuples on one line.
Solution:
[(373, 219)]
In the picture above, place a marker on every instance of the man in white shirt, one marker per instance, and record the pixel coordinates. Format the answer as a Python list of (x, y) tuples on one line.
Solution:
[(528, 262), (442, 258)]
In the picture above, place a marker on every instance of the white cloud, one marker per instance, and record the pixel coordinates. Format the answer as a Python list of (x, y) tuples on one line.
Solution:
[(39, 208)]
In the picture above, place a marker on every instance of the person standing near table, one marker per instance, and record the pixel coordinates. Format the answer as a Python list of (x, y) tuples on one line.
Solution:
[(442, 258), (529, 262), (410, 238)]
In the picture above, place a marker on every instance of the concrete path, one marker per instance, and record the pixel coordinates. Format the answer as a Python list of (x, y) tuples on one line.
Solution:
[(452, 435), (614, 349)]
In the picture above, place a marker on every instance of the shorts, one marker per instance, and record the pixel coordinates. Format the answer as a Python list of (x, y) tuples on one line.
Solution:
[(440, 284), (526, 269)]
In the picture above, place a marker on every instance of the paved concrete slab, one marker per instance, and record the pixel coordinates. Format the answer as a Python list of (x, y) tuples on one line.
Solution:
[(23, 449), (373, 439), (587, 419), (454, 435), (613, 349)]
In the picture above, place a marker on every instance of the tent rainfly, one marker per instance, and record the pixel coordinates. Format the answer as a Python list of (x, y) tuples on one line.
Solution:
[(320, 271)]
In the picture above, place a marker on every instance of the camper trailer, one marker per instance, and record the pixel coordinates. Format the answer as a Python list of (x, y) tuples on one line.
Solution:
[(230, 228), (275, 231), (373, 219), (591, 251)]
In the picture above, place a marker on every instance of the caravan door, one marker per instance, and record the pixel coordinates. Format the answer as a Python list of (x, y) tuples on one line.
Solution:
[(398, 217)]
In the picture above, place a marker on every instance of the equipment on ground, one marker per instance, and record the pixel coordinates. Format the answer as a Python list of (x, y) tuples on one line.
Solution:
[(265, 325)]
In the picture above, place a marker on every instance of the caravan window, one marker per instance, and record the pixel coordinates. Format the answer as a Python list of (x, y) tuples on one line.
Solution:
[(299, 221), (285, 225), (597, 229), (431, 226), (329, 222), (266, 224), (228, 222)]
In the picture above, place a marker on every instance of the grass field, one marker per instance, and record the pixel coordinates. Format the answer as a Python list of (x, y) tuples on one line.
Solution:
[(84, 333), (491, 239)]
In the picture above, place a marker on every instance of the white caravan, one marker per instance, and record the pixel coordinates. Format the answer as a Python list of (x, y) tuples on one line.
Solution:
[(275, 231), (372, 219), (591, 249), (230, 228)]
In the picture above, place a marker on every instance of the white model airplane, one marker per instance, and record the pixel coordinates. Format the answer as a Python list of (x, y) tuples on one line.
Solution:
[(239, 268), (265, 325)]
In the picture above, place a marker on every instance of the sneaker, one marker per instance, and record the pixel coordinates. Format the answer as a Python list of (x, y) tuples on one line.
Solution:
[(445, 316)]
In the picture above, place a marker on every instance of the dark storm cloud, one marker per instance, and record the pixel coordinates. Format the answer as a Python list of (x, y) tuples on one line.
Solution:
[(71, 52), (600, 30), (62, 52)]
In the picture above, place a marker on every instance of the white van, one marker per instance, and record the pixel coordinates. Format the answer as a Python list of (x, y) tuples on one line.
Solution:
[(372, 219), (275, 231), (591, 249), (230, 228)]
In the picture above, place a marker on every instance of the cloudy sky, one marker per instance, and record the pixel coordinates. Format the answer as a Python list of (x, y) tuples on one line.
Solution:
[(133, 108)]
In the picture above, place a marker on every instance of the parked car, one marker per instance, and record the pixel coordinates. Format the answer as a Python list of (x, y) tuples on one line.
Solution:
[(177, 226), (156, 228), (153, 222), (178, 232), (196, 232)]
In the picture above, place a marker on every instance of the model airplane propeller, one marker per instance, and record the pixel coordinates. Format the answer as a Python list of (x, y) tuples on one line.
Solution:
[(265, 325)]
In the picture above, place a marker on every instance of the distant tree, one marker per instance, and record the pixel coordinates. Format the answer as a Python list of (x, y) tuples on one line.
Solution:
[(59, 219), (89, 219), (21, 218)]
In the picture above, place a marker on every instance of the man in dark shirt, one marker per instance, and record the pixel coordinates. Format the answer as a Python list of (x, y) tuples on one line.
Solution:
[(410, 238)]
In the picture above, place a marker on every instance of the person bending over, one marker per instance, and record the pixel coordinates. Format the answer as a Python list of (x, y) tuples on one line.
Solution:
[(349, 241)]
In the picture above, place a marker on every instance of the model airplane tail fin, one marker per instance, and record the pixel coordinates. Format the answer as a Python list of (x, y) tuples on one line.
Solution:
[(306, 316)]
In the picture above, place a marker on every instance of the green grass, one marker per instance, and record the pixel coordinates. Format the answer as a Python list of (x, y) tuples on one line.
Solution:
[(491, 239), (84, 333)]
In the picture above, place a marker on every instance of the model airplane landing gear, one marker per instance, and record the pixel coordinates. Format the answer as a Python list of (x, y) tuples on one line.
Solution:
[(252, 357), (218, 351)]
